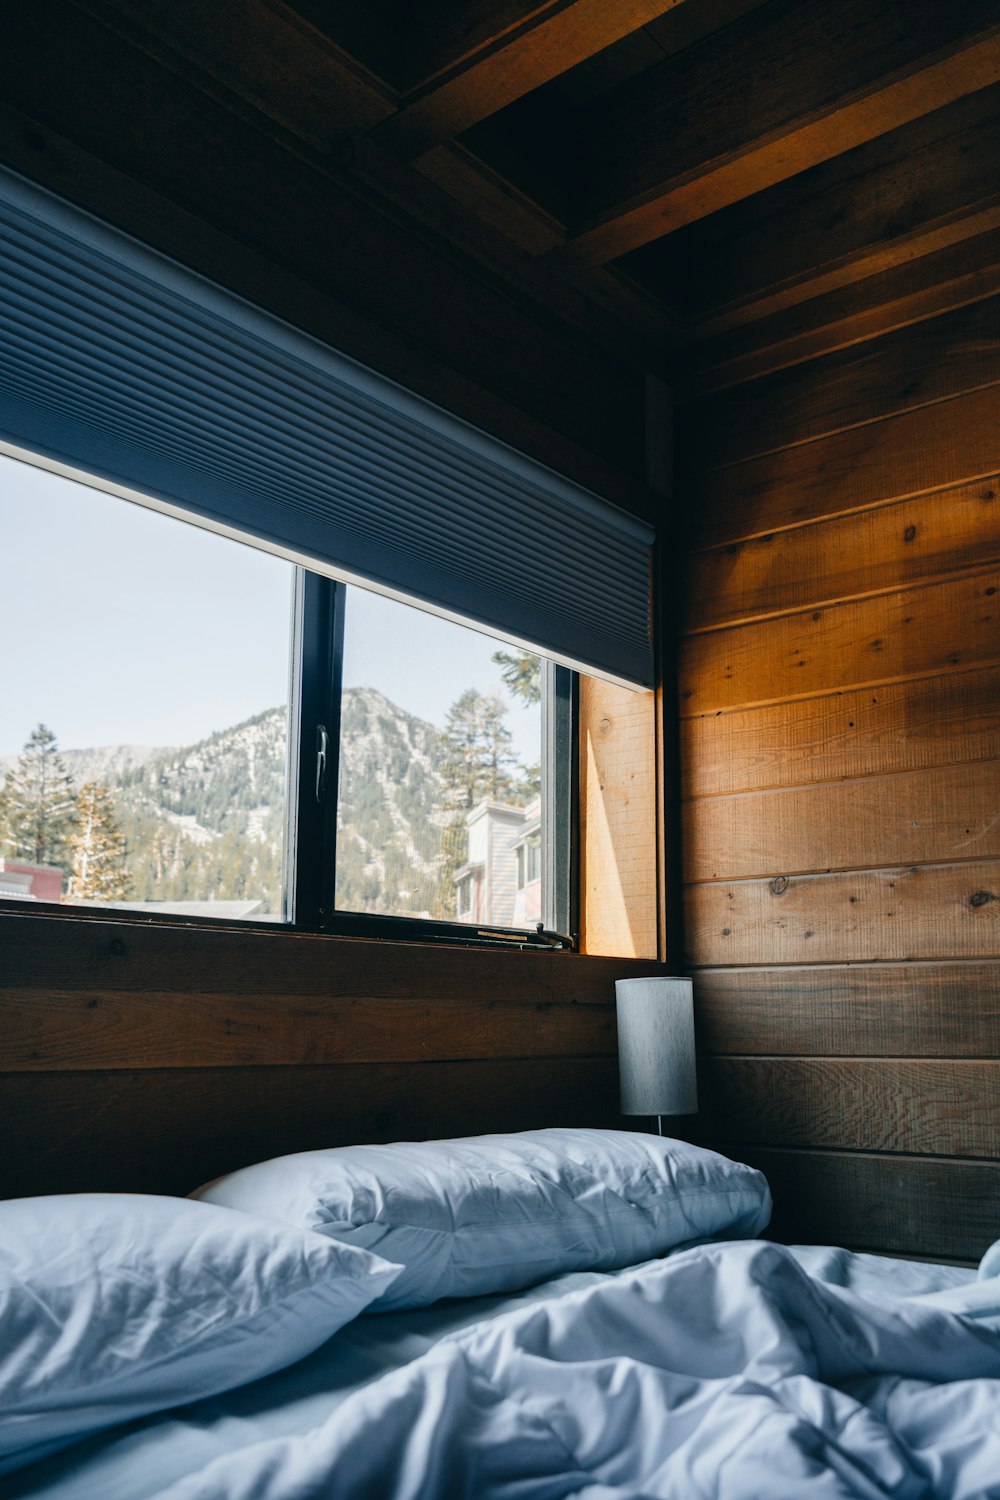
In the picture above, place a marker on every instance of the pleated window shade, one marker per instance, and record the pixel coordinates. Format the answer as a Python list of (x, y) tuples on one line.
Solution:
[(117, 361)]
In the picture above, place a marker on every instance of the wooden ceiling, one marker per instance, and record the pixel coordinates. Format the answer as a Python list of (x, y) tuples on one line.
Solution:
[(649, 173)]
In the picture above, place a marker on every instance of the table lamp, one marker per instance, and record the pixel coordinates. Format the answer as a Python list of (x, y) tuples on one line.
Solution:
[(656, 1067)]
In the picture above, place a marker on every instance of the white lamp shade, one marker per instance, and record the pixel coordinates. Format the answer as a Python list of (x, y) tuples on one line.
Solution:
[(656, 1068)]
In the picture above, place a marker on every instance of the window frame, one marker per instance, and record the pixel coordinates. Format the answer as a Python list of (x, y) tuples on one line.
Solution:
[(311, 788), (311, 837)]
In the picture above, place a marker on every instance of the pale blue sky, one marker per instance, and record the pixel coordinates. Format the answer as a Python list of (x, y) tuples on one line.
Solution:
[(124, 626)]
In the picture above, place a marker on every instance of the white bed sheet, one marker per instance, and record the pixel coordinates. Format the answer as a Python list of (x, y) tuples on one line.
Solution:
[(138, 1461)]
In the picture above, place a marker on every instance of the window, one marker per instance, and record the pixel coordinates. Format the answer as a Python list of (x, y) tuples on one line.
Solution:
[(529, 862), (123, 370), (440, 749), (195, 728)]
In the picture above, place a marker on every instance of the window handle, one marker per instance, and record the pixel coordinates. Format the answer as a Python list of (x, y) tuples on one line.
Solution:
[(322, 760), (551, 938)]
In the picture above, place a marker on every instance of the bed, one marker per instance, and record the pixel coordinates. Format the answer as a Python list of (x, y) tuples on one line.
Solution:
[(389, 1302)]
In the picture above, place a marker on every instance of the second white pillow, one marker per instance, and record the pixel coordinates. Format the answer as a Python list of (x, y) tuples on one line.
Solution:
[(489, 1214)]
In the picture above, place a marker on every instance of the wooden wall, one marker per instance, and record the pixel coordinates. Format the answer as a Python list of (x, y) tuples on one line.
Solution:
[(839, 681), (151, 1059), (621, 884), (838, 652)]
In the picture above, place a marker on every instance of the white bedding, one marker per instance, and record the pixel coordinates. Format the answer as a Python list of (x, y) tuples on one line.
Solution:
[(437, 1402), (727, 1371)]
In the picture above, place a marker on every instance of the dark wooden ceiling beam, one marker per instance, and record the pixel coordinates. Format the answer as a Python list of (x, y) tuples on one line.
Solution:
[(506, 227), (265, 52), (506, 64), (471, 213), (784, 89), (450, 193), (308, 217), (939, 233), (909, 293), (899, 198)]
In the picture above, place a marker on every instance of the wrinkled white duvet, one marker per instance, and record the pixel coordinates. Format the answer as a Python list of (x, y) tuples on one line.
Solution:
[(726, 1372)]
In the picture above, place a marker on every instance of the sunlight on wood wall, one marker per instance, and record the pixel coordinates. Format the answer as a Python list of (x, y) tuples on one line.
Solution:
[(618, 810)]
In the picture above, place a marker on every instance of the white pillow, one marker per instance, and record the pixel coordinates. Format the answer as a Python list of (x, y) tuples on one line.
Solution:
[(493, 1213), (114, 1305)]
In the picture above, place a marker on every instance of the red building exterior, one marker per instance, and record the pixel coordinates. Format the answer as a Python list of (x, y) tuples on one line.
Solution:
[(27, 882)]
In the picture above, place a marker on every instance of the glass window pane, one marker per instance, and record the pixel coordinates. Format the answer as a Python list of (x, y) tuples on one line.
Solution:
[(440, 781), (143, 707)]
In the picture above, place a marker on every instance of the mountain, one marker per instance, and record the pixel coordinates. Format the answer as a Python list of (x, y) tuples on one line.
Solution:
[(206, 822), (107, 763), (389, 811)]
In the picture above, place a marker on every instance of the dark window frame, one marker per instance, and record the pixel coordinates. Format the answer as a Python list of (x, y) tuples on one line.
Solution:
[(315, 688), (314, 769)]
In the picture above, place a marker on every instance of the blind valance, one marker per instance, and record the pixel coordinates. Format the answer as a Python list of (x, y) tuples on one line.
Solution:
[(116, 360)]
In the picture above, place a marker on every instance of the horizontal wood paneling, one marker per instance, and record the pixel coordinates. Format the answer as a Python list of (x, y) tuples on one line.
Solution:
[(948, 443), (866, 206), (915, 817), (950, 531), (933, 236), (169, 1131), (77, 1030), (106, 957), (840, 688), (933, 721), (941, 1108), (99, 994), (925, 362), (917, 632), (760, 81), (918, 1206), (843, 1010), (683, 143), (926, 286), (149, 1058), (929, 911)]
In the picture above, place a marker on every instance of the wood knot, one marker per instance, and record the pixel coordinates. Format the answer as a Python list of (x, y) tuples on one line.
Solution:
[(117, 946), (779, 885), (909, 533), (981, 898), (604, 728)]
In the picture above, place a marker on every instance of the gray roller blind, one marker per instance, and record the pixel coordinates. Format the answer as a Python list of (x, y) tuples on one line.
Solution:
[(115, 360)]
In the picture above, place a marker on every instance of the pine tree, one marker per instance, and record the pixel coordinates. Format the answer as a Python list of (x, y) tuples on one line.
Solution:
[(476, 762), (97, 849), (38, 804), (477, 759), (522, 672)]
